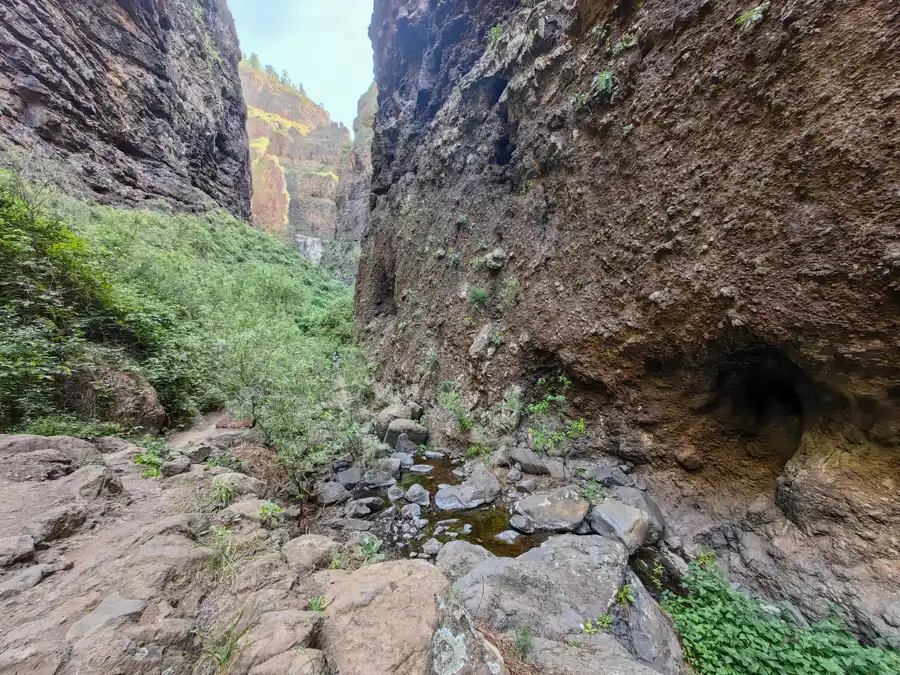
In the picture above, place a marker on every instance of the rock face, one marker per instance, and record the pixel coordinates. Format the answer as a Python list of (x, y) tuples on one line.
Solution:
[(299, 155), (128, 102), (680, 208)]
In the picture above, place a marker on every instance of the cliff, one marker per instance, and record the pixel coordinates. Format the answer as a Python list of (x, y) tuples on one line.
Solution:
[(130, 102), (296, 151), (688, 208), (356, 172)]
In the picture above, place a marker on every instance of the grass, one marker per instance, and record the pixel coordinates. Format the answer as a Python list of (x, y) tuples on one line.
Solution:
[(219, 646), (221, 492), (276, 121), (524, 642), (494, 35), (601, 623), (478, 296), (222, 564), (316, 604)]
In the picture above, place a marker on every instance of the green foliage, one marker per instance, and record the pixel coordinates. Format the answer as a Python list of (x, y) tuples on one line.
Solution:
[(545, 439), (219, 646), (454, 259), (625, 595), (462, 222), (221, 493), (316, 604), (579, 100), (221, 564), (509, 293), (593, 492), (494, 35), (452, 402), (748, 20), (478, 296), (69, 425), (370, 549), (475, 451), (601, 623), (497, 338), (626, 42), (603, 86), (270, 515), (152, 459), (725, 632), (524, 642)]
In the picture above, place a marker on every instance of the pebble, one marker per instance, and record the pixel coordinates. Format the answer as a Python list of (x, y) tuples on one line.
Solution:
[(508, 536)]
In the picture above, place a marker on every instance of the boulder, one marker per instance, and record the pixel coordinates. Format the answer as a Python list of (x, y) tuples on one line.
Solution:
[(597, 654), (639, 499), (58, 523), (551, 588), (94, 482), (332, 493), (559, 510), (411, 512), (527, 485), (247, 509), (612, 476), (26, 457), (514, 475), (481, 487), (241, 483), (458, 558), (528, 461), (421, 468), (287, 631), (689, 458), (431, 547), (15, 549), (414, 431), (406, 459), (112, 610), (309, 552), (429, 632), (649, 633), (385, 417), (622, 522), (395, 493), (377, 478), (418, 495), (508, 536), (522, 524), (349, 478), (175, 466)]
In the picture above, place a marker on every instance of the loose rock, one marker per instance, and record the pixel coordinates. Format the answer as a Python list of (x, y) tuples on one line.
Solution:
[(479, 488), (332, 493), (416, 433), (622, 522), (528, 461), (559, 510), (418, 495)]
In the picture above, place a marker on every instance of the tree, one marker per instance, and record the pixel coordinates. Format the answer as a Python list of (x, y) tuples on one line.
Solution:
[(254, 62), (270, 70), (285, 78)]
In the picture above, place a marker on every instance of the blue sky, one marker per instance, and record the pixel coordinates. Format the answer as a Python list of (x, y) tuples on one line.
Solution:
[(322, 43)]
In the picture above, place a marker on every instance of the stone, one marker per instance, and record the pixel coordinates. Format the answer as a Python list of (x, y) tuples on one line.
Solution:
[(432, 547), (418, 495), (309, 552), (522, 524), (612, 476), (434, 454), (175, 466), (332, 493), (421, 468), (306, 661), (349, 478), (389, 514), (339, 465), (507, 536), (388, 465), (241, 484), (559, 510), (481, 487), (496, 259), (584, 527), (457, 558), (385, 417), (598, 654), (528, 461), (406, 459), (395, 493), (514, 475), (420, 524), (416, 433), (356, 524), (357, 509), (656, 525), (689, 458), (246, 509), (551, 588), (651, 634), (527, 485), (113, 609), (15, 549), (415, 410), (500, 458), (411, 512), (58, 523), (94, 482), (197, 453), (620, 521), (275, 633), (429, 632)]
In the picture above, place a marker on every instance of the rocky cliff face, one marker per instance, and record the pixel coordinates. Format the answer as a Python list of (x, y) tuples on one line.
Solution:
[(356, 172), (296, 152), (691, 210), (135, 101)]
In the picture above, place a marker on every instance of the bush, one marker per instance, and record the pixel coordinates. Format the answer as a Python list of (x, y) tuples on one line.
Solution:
[(725, 632), (478, 296)]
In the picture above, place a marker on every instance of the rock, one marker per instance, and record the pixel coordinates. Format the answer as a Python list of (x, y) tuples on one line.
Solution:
[(651, 635), (332, 493), (287, 631), (689, 458), (293, 662), (598, 654), (355, 524), (175, 466), (429, 632), (432, 547), (419, 524), (58, 523), (309, 552), (621, 522), (551, 588), (411, 512), (36, 458), (496, 259), (339, 465), (481, 487), (113, 609), (415, 432), (15, 549), (357, 509), (522, 524), (458, 558), (389, 514), (584, 527), (513, 476), (466, 529), (94, 482), (612, 476), (247, 509), (406, 459), (559, 510), (241, 484), (415, 410), (527, 485), (656, 525), (197, 453), (507, 536), (500, 458), (528, 461), (385, 417), (421, 468), (434, 454), (395, 493), (389, 465), (349, 478), (418, 495)]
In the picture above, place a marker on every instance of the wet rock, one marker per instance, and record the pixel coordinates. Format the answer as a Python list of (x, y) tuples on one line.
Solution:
[(395, 493), (349, 477), (411, 511), (385, 417), (432, 547), (175, 466), (507, 536), (689, 458), (434, 454), (528, 461), (429, 631), (421, 468), (656, 525), (309, 552), (612, 476), (15, 549), (622, 522), (522, 524), (241, 484), (333, 493), (458, 558), (405, 458), (481, 487), (559, 510), (418, 495), (416, 433)]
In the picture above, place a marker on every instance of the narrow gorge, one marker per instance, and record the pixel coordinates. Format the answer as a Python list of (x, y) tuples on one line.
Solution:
[(575, 353)]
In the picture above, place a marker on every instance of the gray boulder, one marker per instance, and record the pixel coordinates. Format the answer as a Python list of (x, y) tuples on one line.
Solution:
[(405, 458), (418, 495), (176, 466), (559, 510), (241, 483), (432, 547), (648, 633), (656, 525), (421, 468), (395, 493), (507, 536), (458, 558), (612, 476), (622, 522), (15, 549), (411, 512), (414, 431), (349, 477), (332, 493), (598, 654), (522, 524), (385, 417), (481, 487), (528, 461)]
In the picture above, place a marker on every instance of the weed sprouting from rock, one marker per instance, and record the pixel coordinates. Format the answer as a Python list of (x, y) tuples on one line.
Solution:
[(625, 595), (626, 42), (370, 549), (748, 20), (270, 515), (494, 35), (478, 296), (316, 604), (221, 492), (524, 642)]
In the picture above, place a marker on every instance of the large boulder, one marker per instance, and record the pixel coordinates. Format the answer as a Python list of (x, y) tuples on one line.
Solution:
[(332, 493), (28, 457), (287, 632), (429, 632), (309, 552), (639, 499), (414, 431), (458, 557), (559, 510), (530, 462), (392, 412), (620, 521), (648, 633), (597, 654), (481, 487)]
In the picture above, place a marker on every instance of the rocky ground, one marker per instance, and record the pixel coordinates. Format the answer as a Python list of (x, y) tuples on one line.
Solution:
[(104, 570)]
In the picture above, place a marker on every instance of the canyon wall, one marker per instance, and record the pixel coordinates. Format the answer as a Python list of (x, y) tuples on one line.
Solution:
[(126, 102), (688, 207)]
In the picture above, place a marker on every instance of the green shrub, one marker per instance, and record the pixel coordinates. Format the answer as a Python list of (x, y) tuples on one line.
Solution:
[(494, 34), (725, 632), (524, 642), (478, 296), (748, 20)]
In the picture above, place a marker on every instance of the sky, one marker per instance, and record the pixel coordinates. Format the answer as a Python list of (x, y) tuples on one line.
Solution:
[(323, 44)]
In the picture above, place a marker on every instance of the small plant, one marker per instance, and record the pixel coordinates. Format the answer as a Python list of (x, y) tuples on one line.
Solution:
[(370, 549), (625, 43), (583, 472), (747, 21), (524, 642), (454, 260), (656, 575), (222, 492), (603, 86), (497, 338), (625, 595), (626, 130), (316, 604), (494, 35), (270, 515), (601, 623), (462, 222), (579, 100), (545, 439), (478, 263), (576, 429), (452, 402), (152, 461), (509, 293), (402, 325), (340, 560), (221, 564), (220, 646), (475, 451), (707, 560), (478, 296), (594, 492), (151, 472)]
